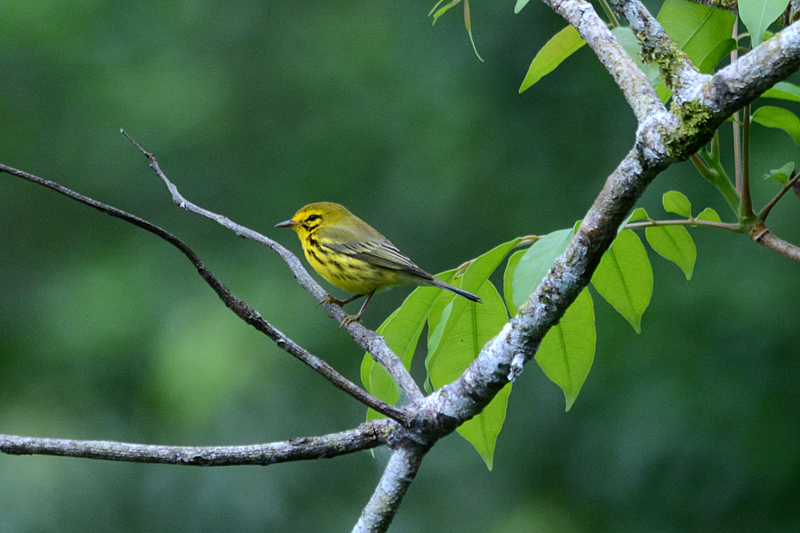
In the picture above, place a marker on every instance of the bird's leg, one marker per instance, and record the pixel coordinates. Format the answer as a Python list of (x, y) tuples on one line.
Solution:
[(349, 319), (328, 299)]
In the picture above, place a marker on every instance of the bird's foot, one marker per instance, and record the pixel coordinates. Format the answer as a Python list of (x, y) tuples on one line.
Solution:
[(328, 299), (349, 319)]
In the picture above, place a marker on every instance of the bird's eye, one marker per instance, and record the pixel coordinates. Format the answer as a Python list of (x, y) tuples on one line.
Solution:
[(312, 218)]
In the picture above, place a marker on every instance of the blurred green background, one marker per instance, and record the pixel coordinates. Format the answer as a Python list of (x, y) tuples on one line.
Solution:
[(257, 108)]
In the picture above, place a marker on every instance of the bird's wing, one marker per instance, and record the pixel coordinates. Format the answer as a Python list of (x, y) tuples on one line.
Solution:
[(379, 252)]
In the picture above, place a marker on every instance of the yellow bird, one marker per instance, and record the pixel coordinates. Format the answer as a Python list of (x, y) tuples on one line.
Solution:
[(353, 256)]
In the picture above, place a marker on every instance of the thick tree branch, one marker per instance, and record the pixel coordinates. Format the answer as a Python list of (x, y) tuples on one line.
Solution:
[(763, 236), (397, 478), (242, 310), (677, 71), (662, 139), (659, 144), (370, 341), (503, 358), (367, 435), (791, 14), (744, 80), (636, 88)]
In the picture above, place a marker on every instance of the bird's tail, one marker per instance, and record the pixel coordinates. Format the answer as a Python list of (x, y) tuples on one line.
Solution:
[(461, 292)]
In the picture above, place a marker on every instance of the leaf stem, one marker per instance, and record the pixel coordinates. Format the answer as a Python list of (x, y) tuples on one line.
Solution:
[(746, 204), (610, 14), (764, 213), (736, 228), (737, 131), (709, 166)]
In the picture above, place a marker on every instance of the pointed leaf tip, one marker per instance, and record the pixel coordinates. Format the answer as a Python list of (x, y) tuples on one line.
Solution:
[(624, 278), (562, 45)]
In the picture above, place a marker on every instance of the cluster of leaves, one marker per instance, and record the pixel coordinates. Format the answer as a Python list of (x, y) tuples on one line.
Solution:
[(437, 12), (457, 329), (703, 33)]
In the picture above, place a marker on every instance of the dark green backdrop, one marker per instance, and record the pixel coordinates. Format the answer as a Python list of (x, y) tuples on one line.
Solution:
[(256, 108)]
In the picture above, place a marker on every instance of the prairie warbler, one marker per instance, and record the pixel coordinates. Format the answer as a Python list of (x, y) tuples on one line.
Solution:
[(353, 256)]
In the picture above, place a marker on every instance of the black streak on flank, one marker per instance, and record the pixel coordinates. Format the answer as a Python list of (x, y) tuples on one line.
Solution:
[(316, 257)]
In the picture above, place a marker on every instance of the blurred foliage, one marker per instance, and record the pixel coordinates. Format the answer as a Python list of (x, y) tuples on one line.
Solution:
[(256, 108)]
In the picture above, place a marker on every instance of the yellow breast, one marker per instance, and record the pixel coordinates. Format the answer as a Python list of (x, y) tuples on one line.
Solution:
[(348, 273)]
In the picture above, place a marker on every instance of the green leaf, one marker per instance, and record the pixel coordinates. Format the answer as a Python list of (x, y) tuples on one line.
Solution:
[(442, 10), (473, 280), (454, 349), (468, 24), (783, 90), (624, 278), (708, 215), (675, 244), (508, 285), (520, 4), (712, 58), (476, 275), (781, 175), (638, 214), (631, 45), (457, 331), (663, 92), (535, 263), (482, 430), (401, 331), (567, 351), (438, 318), (467, 18), (562, 45), (483, 266), (777, 117), (676, 202), (437, 331), (757, 15), (703, 32), (376, 379), (437, 4)]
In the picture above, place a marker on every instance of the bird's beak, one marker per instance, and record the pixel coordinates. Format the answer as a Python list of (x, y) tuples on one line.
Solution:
[(287, 224)]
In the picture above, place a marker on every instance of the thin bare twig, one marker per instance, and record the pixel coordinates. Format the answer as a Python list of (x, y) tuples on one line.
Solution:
[(764, 213), (688, 222), (763, 236), (367, 435), (370, 341), (242, 310)]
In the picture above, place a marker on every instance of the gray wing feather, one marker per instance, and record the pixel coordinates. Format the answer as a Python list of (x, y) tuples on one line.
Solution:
[(379, 252)]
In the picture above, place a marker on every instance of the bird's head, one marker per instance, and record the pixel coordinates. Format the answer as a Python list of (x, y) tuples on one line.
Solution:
[(312, 217)]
